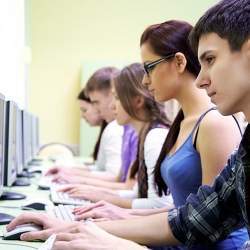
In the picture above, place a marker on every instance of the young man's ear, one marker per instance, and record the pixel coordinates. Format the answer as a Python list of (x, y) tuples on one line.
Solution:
[(180, 62)]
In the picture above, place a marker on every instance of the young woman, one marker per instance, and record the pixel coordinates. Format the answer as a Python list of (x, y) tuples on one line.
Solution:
[(135, 105), (90, 114)]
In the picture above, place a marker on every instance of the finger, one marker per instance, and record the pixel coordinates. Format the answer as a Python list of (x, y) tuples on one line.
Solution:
[(51, 171), (38, 235), (87, 208), (59, 245), (73, 190), (100, 219), (65, 189), (28, 217), (65, 236), (87, 215), (75, 229)]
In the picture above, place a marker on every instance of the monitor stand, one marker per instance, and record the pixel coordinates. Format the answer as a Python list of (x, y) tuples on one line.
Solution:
[(25, 173), (21, 182), (5, 218), (12, 196)]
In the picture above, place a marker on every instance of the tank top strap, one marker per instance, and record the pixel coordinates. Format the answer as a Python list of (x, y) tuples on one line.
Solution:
[(238, 125), (200, 119)]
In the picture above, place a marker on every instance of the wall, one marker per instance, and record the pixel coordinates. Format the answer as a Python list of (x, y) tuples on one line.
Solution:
[(12, 51), (64, 33)]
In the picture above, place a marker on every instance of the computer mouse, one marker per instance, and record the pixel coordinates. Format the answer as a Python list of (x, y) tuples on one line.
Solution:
[(20, 229), (35, 205)]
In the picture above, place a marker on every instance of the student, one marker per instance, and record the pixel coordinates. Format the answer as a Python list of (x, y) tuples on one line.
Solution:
[(221, 38), (99, 89), (135, 106), (108, 162), (90, 114)]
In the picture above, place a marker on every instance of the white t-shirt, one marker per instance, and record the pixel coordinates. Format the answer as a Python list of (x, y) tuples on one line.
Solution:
[(152, 148), (109, 154)]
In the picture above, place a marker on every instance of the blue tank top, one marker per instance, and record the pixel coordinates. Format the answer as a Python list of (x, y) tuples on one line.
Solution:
[(183, 174), (182, 169)]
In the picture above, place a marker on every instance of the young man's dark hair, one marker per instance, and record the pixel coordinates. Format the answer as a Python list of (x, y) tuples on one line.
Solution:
[(101, 79), (229, 19)]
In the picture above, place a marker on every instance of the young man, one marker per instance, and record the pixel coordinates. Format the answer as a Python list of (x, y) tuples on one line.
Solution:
[(222, 40)]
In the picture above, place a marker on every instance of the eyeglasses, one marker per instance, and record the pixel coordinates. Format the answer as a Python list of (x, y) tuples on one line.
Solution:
[(148, 67)]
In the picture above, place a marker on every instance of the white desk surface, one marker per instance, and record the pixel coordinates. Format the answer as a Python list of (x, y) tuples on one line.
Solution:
[(33, 195)]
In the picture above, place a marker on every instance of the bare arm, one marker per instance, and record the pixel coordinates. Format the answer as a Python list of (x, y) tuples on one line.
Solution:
[(217, 138), (109, 184), (146, 212), (148, 230)]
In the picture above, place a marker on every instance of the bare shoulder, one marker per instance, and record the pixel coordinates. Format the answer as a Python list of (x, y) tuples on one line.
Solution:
[(214, 121)]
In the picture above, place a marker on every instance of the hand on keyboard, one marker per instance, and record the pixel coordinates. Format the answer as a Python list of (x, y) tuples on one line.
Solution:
[(49, 225), (102, 210), (64, 198)]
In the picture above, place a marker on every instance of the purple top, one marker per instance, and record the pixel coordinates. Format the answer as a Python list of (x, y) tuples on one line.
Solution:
[(129, 150)]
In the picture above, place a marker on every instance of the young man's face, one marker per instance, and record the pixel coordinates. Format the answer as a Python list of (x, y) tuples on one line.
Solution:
[(101, 101), (225, 74)]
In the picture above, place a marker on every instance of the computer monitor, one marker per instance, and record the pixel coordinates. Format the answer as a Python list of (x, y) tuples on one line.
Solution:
[(34, 135), (2, 132), (4, 218), (21, 179), (19, 140), (10, 151), (10, 144), (27, 141)]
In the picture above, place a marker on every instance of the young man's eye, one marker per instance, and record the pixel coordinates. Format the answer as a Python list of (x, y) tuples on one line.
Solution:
[(209, 59)]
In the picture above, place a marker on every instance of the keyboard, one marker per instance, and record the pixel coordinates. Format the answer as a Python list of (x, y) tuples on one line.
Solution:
[(63, 198), (63, 212)]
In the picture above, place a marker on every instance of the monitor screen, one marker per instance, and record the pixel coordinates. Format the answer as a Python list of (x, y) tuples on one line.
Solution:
[(2, 137), (26, 140), (19, 135), (10, 144)]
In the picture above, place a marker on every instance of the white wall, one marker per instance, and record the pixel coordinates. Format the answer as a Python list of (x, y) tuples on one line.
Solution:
[(13, 55)]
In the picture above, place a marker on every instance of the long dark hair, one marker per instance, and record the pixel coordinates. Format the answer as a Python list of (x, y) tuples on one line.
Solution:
[(128, 84), (97, 144), (82, 96), (165, 38)]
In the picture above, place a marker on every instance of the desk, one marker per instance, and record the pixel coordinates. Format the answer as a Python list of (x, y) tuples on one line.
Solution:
[(33, 195)]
